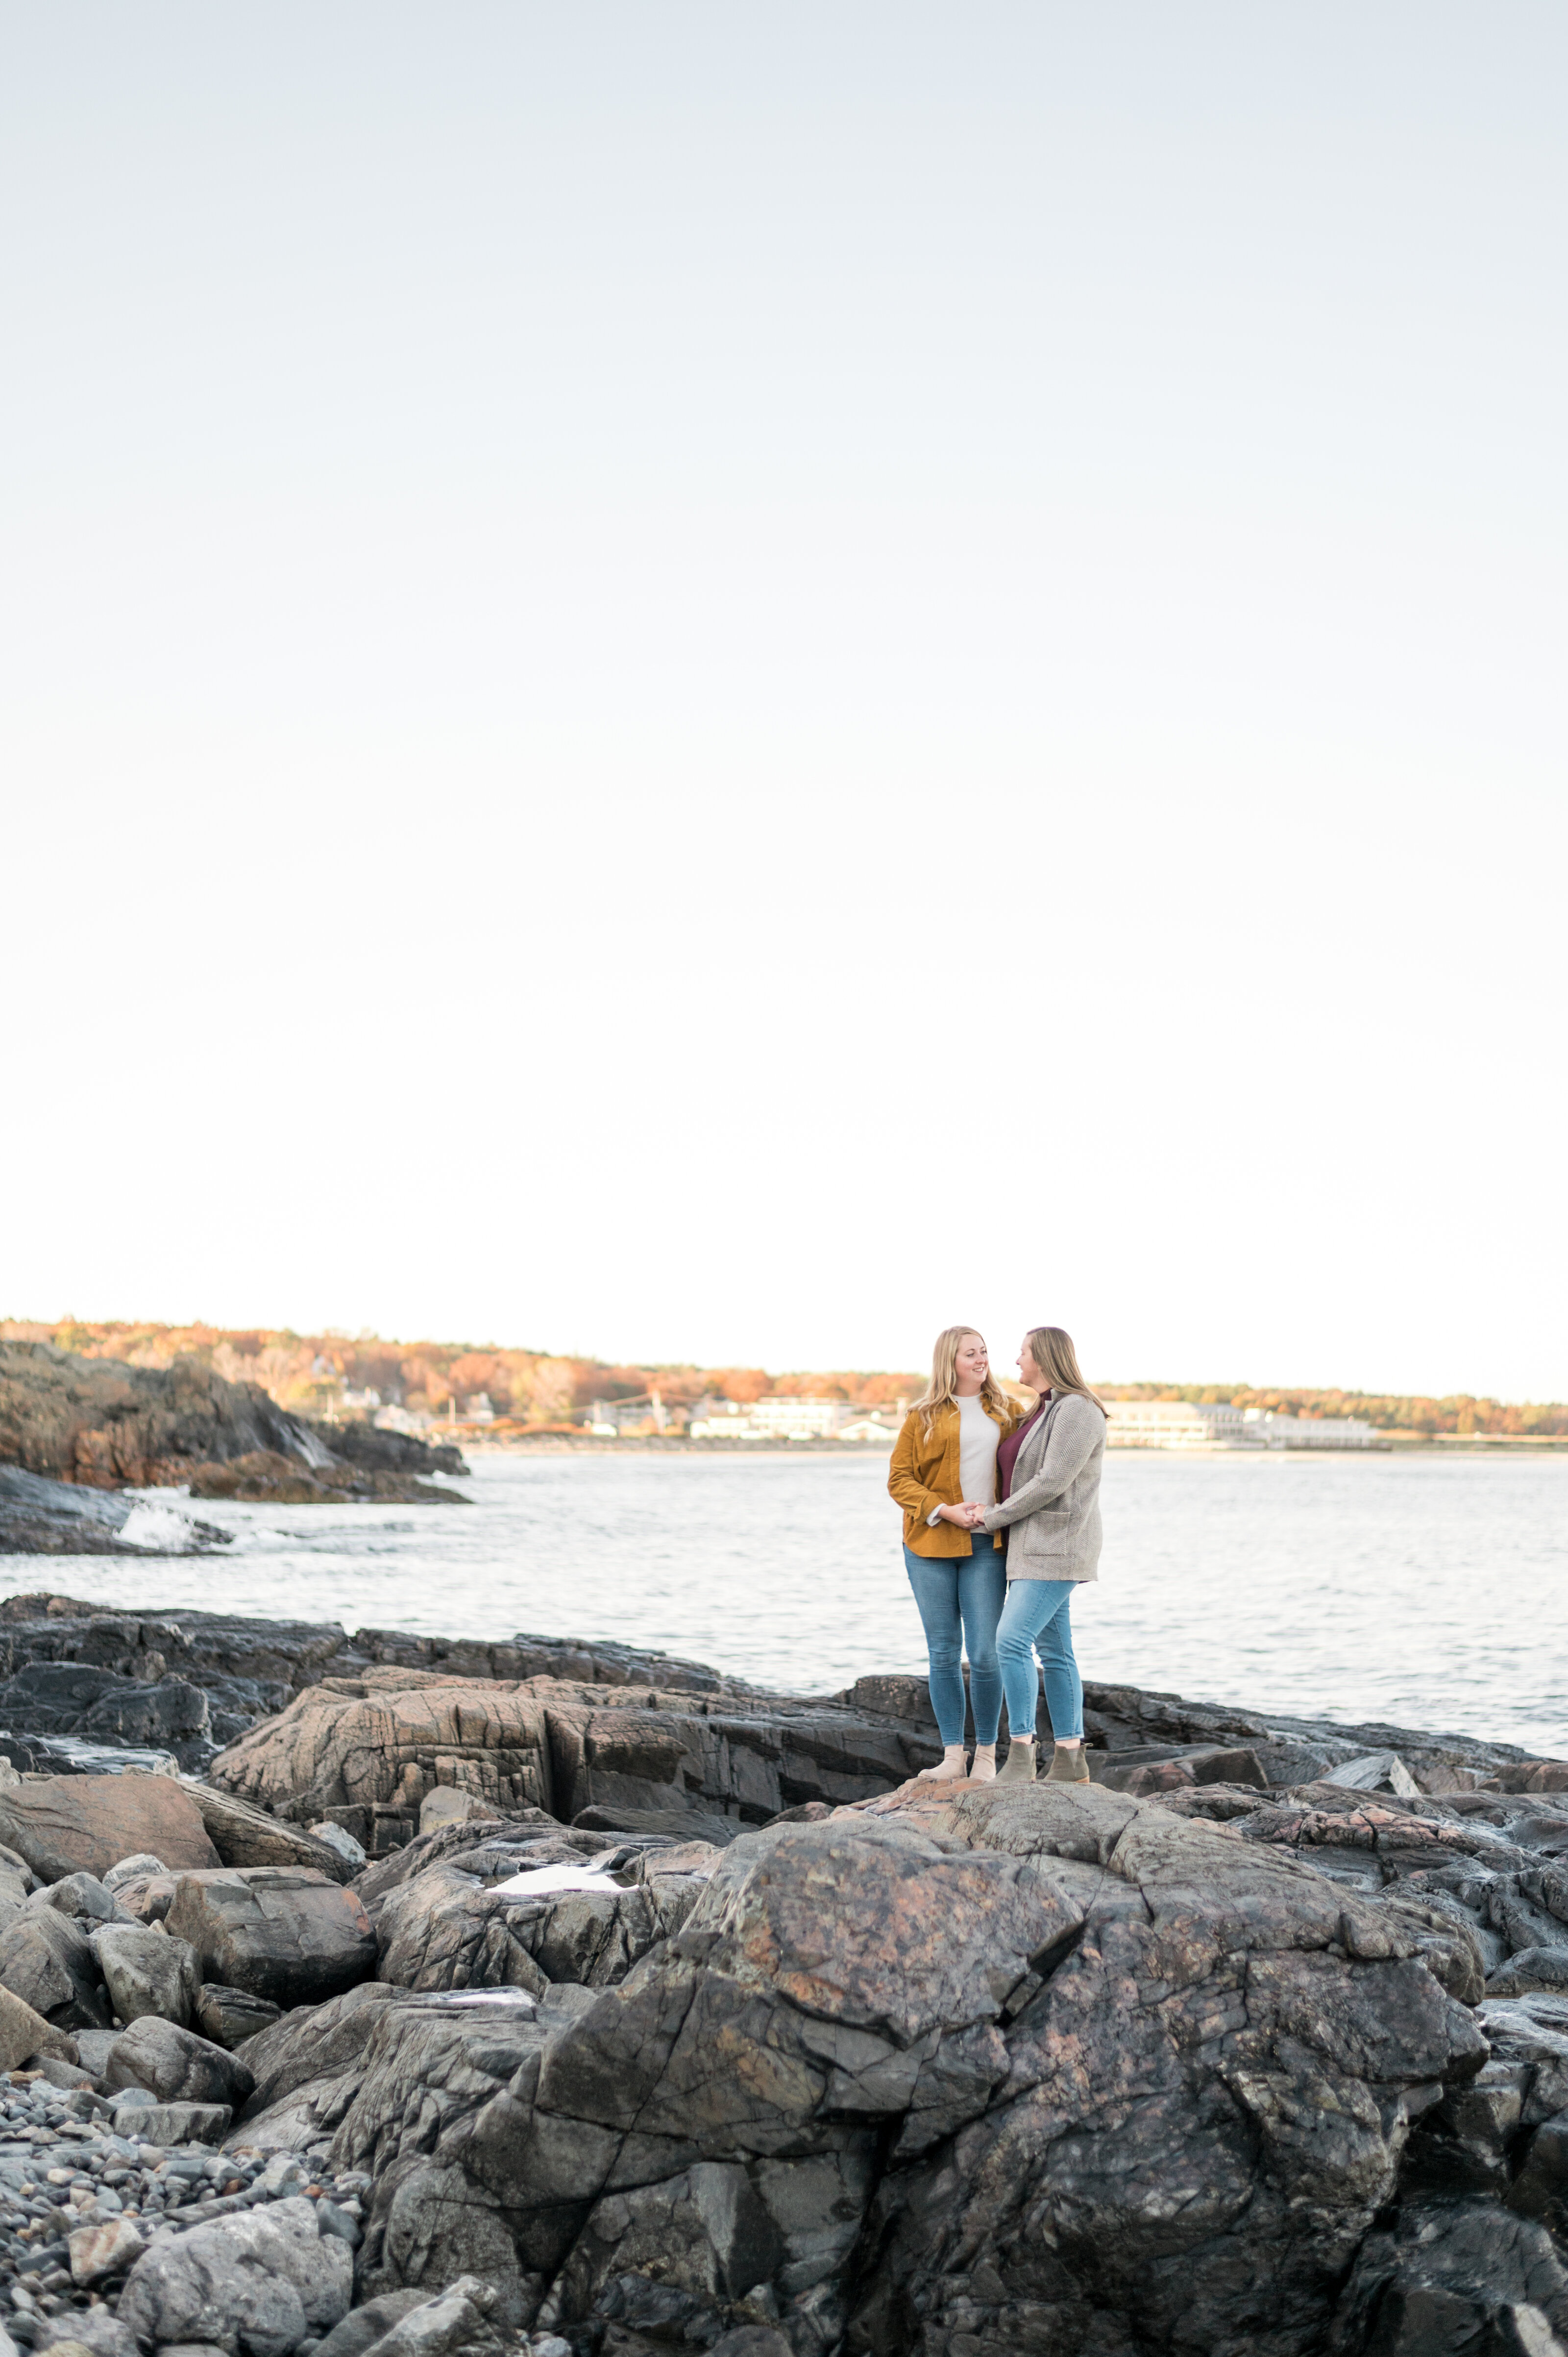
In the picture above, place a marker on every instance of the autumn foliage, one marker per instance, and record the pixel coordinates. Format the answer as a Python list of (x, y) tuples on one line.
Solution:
[(309, 1373)]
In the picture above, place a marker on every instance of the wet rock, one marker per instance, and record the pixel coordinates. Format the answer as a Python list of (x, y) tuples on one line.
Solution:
[(291, 1936), (45, 1960), (104, 1706), (69, 1825), (261, 2282), (229, 2016), (176, 2065), (266, 1474)]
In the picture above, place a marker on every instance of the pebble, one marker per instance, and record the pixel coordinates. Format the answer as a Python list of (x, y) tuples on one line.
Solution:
[(62, 2165)]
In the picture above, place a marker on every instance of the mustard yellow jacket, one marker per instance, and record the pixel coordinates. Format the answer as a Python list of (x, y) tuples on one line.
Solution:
[(924, 1475)]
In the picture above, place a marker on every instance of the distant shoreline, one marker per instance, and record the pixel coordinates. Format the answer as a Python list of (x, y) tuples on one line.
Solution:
[(474, 1441)]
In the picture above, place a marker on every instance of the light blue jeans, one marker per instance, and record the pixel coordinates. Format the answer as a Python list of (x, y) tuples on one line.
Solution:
[(1037, 1613), (959, 1598)]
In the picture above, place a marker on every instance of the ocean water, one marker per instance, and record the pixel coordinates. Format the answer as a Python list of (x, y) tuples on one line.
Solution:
[(1430, 1591)]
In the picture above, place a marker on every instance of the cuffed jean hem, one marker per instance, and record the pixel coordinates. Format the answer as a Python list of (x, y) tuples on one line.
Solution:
[(960, 1601), (1037, 1612)]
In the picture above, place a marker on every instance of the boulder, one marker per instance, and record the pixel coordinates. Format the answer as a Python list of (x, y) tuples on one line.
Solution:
[(172, 2124), (1448, 2281), (176, 2065), (108, 2246), (69, 1825), (79, 1895), (364, 2326), (258, 2283), (456, 2320), (134, 1869), (378, 1741), (1035, 2067), (439, 1932), (285, 1933), (46, 1960), (25, 2033), (229, 2016), (313, 2045), (146, 1971), (243, 1836)]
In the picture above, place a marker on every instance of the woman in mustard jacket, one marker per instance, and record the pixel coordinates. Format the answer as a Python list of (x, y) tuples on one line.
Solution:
[(944, 1463)]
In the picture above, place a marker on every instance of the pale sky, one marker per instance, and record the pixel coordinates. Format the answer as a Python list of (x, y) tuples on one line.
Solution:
[(708, 681)]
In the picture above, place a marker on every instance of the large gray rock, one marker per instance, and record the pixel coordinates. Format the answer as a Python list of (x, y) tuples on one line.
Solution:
[(442, 1931), (176, 2065), (286, 1933), (229, 2016), (47, 1961), (146, 1971), (312, 2047), (880, 2044), (255, 2284)]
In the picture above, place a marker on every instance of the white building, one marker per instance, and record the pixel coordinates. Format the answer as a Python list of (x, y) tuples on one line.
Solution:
[(1310, 1432), (869, 1428), (1176, 1423), (772, 1419)]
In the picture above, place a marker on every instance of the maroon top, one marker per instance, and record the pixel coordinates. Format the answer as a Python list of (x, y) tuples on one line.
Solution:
[(1007, 1450)]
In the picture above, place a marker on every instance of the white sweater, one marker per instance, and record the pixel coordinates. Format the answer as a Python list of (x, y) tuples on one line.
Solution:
[(977, 1440)]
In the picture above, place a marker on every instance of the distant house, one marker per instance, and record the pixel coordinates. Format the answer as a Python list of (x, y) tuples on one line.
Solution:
[(1311, 1432), (393, 1418), (770, 1419), (1176, 1423), (476, 1408), (868, 1427)]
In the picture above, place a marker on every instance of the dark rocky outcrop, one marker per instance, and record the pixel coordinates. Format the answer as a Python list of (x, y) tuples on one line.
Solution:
[(40, 1516), (100, 1424)]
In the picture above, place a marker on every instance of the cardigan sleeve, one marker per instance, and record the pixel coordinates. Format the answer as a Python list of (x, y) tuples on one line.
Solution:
[(1076, 1431)]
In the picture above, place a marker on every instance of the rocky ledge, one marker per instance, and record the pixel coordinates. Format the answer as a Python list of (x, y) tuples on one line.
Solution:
[(95, 1424), (672, 2015)]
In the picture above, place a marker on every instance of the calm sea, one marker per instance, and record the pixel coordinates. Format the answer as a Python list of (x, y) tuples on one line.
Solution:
[(1428, 1591)]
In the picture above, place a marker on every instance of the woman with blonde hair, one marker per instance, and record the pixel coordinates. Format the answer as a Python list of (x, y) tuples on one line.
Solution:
[(1048, 1504), (943, 1474)]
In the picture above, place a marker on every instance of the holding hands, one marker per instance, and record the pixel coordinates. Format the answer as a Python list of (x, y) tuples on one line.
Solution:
[(968, 1518)]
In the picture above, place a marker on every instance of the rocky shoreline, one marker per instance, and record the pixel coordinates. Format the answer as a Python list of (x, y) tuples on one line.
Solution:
[(468, 1995)]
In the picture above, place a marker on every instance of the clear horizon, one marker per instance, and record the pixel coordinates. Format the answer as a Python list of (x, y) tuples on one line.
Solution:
[(740, 682)]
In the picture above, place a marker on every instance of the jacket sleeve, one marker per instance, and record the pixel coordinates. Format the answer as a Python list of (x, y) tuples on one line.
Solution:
[(1075, 1430), (902, 1483)]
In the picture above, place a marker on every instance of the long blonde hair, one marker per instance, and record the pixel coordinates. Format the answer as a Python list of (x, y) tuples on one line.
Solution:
[(1051, 1347), (940, 1392)]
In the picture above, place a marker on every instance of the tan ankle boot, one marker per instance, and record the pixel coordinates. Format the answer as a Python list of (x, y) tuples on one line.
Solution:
[(982, 1770), (1019, 1766), (1068, 1765), (950, 1769)]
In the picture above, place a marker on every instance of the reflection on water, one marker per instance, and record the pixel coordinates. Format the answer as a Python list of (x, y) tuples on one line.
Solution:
[(1425, 1591)]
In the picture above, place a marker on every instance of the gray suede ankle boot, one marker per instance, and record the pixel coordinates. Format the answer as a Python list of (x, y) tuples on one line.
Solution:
[(1069, 1766), (1019, 1767)]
